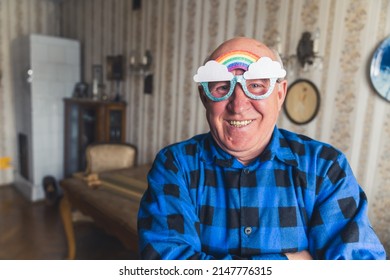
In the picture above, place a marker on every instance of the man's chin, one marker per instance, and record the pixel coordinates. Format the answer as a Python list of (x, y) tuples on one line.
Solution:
[(236, 147)]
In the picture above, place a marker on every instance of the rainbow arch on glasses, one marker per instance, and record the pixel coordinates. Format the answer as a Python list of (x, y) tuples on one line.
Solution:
[(237, 59)]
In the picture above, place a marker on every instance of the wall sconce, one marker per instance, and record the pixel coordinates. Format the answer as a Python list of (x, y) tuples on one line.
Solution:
[(140, 65), (307, 53)]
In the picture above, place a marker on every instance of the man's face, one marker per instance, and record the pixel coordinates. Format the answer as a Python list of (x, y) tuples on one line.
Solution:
[(243, 126)]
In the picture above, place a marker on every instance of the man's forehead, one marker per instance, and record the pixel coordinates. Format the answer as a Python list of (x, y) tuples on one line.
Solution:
[(237, 59), (242, 44)]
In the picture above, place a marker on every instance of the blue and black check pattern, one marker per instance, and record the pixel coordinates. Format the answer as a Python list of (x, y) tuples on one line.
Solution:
[(299, 194)]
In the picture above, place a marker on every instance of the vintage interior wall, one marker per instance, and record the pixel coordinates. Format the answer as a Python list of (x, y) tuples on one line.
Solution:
[(179, 34), (18, 18)]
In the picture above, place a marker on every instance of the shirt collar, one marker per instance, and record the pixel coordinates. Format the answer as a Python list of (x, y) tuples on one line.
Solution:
[(276, 148)]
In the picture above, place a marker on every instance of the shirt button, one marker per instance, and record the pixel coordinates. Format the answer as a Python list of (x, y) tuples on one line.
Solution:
[(248, 230), (246, 171)]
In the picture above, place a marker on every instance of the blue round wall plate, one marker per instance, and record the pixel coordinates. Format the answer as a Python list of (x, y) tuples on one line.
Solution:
[(380, 69)]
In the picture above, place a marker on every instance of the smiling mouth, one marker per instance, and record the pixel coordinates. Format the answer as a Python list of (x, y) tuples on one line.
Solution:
[(240, 123)]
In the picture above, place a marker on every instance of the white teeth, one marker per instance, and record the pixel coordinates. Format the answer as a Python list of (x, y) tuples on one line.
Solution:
[(240, 123)]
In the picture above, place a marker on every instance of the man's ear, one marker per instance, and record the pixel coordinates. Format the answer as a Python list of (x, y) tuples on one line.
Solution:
[(282, 91)]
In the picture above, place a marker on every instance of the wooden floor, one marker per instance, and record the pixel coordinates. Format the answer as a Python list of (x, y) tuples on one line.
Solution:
[(33, 231)]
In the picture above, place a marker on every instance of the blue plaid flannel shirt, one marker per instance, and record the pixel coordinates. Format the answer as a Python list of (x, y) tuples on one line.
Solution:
[(299, 194)]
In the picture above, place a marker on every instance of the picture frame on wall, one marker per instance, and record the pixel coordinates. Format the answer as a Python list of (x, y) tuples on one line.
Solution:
[(302, 101), (115, 68)]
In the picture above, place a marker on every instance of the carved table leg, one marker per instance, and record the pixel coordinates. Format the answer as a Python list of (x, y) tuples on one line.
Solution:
[(66, 215)]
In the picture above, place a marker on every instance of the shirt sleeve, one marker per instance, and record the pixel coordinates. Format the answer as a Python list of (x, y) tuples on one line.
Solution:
[(168, 225), (339, 227)]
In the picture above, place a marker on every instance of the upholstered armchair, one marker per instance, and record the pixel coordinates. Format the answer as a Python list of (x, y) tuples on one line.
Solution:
[(84, 200), (109, 156)]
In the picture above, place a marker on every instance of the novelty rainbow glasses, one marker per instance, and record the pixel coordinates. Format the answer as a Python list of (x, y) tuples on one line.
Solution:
[(257, 82)]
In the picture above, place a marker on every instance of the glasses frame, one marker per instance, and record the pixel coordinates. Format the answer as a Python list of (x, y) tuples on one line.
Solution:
[(240, 79)]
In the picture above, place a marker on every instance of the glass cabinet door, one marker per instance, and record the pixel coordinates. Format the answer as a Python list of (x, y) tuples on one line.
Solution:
[(88, 126), (88, 122), (115, 126), (71, 139)]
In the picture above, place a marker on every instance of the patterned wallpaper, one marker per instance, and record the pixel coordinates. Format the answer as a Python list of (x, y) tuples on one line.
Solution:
[(180, 33)]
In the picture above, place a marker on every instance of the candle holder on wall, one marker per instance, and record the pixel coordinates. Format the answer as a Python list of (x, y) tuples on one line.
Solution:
[(140, 65), (307, 56), (307, 50)]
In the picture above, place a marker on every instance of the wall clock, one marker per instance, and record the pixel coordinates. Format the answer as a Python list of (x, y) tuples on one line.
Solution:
[(302, 101), (380, 69)]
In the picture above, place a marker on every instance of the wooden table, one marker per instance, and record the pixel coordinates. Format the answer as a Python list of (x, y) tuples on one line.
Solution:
[(112, 203)]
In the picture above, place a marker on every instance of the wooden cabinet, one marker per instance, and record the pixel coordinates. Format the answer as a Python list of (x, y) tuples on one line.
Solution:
[(87, 122)]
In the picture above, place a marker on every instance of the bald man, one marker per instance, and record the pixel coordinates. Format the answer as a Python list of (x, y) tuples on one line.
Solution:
[(247, 189)]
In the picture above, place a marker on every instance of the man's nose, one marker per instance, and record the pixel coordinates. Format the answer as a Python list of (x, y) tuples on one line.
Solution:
[(238, 102)]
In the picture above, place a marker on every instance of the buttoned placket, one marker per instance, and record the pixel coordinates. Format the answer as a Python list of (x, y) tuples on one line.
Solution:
[(247, 229)]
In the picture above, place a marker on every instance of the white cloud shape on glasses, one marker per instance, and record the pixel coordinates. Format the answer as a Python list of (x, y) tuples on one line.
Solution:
[(213, 71), (265, 68)]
